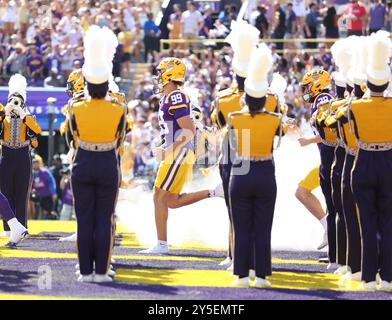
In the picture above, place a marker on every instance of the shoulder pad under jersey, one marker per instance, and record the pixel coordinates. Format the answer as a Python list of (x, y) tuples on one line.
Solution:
[(321, 99)]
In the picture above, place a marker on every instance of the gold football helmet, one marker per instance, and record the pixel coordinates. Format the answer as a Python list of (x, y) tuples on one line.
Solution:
[(75, 82), (314, 82), (169, 70)]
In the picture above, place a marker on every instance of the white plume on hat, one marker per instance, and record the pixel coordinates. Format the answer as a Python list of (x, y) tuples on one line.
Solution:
[(361, 59), (278, 86), (111, 47), (95, 68), (17, 84), (243, 38), (341, 54), (378, 70), (193, 94), (256, 84)]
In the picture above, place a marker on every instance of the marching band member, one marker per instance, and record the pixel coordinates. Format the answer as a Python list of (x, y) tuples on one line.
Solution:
[(96, 126), (252, 182), (342, 52), (18, 134), (242, 39), (315, 87), (348, 139), (76, 92), (175, 153), (372, 170)]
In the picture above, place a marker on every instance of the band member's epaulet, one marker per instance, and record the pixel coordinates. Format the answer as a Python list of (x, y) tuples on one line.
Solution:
[(31, 122), (226, 92)]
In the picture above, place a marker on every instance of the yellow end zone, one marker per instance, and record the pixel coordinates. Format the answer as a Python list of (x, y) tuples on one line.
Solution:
[(223, 279), (39, 226)]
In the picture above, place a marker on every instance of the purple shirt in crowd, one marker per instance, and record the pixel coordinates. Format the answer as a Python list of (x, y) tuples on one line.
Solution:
[(44, 183), (67, 197), (34, 63), (377, 16)]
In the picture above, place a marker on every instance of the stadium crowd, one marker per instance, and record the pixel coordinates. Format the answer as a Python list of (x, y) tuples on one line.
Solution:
[(43, 40)]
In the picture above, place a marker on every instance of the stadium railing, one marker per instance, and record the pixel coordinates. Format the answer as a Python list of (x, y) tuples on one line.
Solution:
[(166, 44)]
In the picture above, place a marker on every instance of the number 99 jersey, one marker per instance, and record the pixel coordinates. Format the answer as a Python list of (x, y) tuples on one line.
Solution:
[(172, 107)]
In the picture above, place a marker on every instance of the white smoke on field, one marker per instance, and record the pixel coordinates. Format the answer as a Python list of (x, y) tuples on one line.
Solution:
[(206, 223)]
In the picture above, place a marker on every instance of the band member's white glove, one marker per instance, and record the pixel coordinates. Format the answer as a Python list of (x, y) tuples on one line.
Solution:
[(19, 111), (8, 108), (70, 155)]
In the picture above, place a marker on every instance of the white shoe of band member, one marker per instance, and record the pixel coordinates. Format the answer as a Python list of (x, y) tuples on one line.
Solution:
[(352, 276), (385, 286), (71, 238), (241, 282), (356, 276), (342, 270), (230, 267), (324, 243), (86, 278), (252, 274), (217, 191), (18, 231), (262, 283), (226, 262), (333, 266), (99, 278), (77, 267), (111, 273), (368, 286)]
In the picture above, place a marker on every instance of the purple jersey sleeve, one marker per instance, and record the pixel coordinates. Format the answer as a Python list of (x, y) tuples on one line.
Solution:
[(321, 99), (178, 105)]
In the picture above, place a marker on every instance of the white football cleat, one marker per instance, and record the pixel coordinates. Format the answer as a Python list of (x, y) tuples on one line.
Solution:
[(252, 274), (324, 243), (18, 232), (99, 278), (368, 286), (226, 262), (157, 249), (241, 282), (262, 283), (71, 238), (86, 278)]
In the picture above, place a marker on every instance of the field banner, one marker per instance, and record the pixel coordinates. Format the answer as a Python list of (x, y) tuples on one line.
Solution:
[(38, 106)]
